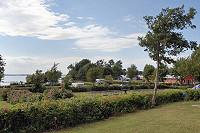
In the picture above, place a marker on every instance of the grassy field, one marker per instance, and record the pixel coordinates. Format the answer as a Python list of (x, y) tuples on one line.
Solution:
[(5, 104), (181, 117)]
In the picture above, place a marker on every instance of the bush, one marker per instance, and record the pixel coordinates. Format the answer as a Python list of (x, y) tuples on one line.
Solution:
[(3, 93), (20, 96), (192, 94), (47, 115), (57, 93)]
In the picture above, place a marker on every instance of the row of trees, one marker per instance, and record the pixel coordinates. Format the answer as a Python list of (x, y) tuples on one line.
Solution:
[(188, 65), (182, 67), (85, 69)]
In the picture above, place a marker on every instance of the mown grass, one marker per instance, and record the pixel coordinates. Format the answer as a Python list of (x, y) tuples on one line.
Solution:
[(180, 117), (4, 104)]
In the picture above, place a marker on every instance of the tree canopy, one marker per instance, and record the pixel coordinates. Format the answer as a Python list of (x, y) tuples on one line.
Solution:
[(132, 71), (2, 69), (148, 71), (53, 74), (163, 40)]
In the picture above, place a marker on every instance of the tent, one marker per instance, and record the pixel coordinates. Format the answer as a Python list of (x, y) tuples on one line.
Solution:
[(196, 87)]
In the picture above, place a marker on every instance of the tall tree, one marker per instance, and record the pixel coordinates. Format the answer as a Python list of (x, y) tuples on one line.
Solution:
[(148, 71), (116, 71), (94, 73), (53, 74), (132, 72), (195, 64), (2, 64), (181, 68), (162, 40)]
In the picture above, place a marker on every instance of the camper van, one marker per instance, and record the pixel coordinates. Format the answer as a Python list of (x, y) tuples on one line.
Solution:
[(100, 81), (78, 84)]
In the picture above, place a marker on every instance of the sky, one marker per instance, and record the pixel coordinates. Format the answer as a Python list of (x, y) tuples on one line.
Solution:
[(36, 33)]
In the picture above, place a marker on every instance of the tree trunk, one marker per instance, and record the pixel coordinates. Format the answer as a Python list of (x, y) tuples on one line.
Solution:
[(156, 84)]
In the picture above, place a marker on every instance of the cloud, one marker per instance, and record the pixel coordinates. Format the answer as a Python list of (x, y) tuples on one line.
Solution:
[(135, 35), (34, 18), (109, 44), (90, 18), (70, 24), (80, 18), (128, 18)]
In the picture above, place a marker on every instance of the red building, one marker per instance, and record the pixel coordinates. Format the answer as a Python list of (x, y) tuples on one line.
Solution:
[(171, 79), (186, 80)]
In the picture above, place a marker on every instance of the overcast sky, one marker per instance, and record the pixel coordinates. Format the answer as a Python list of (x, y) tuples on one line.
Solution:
[(36, 33)]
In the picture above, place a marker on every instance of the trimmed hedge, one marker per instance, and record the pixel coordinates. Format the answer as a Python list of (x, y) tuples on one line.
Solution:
[(105, 88), (47, 115)]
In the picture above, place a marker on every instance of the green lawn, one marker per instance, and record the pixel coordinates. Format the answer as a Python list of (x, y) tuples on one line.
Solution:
[(5, 104), (181, 117)]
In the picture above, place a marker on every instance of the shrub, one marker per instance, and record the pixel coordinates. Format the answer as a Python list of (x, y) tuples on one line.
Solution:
[(192, 94), (57, 93), (3, 93), (20, 96), (48, 115)]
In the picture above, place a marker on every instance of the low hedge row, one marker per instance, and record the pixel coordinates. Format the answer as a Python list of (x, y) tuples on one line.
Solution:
[(104, 88), (47, 115)]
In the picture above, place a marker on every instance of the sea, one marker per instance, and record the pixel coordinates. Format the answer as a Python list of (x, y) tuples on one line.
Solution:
[(19, 78), (13, 78)]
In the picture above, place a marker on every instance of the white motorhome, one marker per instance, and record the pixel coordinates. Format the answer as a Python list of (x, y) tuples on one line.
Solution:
[(78, 84), (100, 81)]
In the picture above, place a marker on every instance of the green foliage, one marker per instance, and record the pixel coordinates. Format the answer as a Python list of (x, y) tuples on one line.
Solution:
[(195, 64), (53, 74), (3, 93), (132, 71), (148, 71), (2, 69), (192, 94), (163, 71), (94, 73), (46, 115), (109, 78), (37, 79), (116, 71), (57, 93), (163, 39), (20, 96)]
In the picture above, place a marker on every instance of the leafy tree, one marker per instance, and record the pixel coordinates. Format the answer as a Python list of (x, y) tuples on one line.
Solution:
[(181, 68), (195, 64), (109, 78), (100, 63), (77, 71), (162, 40), (53, 74), (29, 79), (116, 71), (83, 71), (148, 71), (119, 63), (94, 73), (111, 63), (163, 71), (132, 72), (2, 64), (37, 79), (107, 71)]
